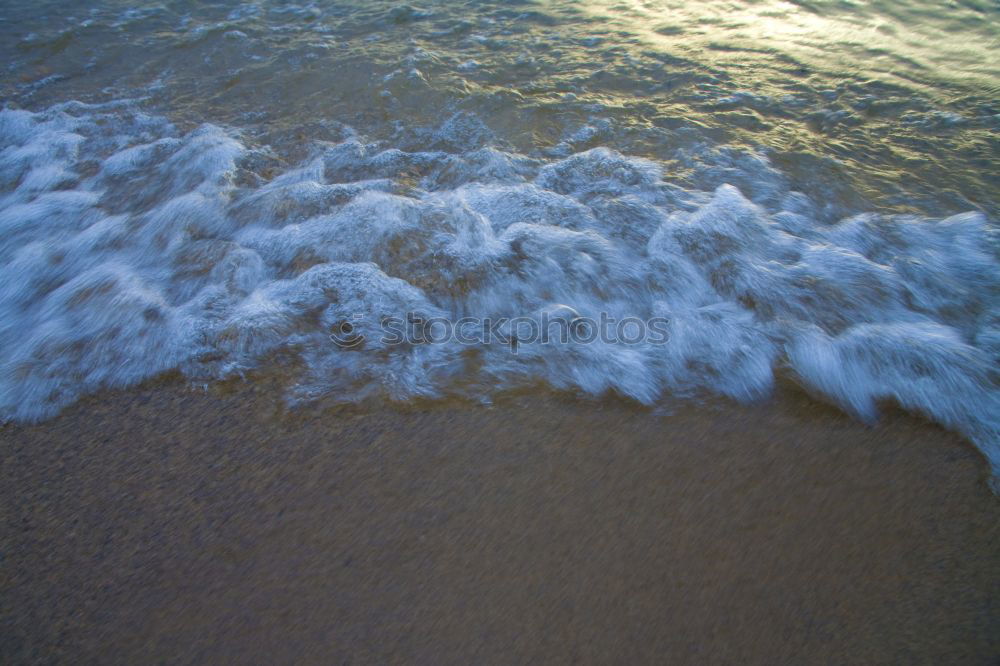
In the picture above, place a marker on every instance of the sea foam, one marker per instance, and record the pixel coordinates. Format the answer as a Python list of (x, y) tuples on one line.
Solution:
[(129, 249)]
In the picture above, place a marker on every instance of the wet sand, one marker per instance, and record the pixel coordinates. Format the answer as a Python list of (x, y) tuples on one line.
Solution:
[(172, 525)]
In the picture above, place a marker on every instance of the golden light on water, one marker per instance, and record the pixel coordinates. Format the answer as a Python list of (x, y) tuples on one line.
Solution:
[(879, 39)]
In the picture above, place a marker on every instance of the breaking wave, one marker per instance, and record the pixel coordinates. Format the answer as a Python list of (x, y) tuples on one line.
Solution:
[(129, 249)]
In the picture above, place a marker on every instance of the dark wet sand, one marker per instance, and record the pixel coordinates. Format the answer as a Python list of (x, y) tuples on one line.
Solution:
[(172, 525)]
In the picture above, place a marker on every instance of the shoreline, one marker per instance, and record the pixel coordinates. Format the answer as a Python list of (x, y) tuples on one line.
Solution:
[(166, 523)]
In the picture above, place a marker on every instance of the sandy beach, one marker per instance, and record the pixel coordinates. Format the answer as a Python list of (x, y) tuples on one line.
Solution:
[(171, 525)]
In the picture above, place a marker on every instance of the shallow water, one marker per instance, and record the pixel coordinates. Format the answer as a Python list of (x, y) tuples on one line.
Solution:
[(804, 190)]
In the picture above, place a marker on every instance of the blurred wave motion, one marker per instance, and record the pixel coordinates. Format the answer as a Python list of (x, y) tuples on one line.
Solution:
[(803, 189)]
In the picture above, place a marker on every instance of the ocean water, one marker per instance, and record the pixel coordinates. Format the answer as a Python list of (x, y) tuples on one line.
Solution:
[(795, 190)]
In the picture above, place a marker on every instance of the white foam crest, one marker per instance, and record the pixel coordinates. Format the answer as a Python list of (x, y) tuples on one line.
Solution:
[(924, 367), (129, 250)]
